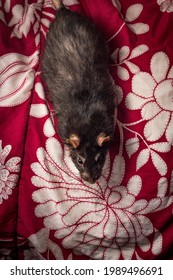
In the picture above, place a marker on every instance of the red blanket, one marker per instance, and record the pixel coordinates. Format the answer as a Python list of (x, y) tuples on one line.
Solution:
[(46, 210)]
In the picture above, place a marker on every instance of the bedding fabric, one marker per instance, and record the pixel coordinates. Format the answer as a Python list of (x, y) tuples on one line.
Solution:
[(46, 210)]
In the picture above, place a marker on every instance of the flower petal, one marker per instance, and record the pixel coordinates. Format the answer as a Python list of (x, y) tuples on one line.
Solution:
[(143, 158), (143, 85), (123, 73), (118, 171), (139, 28), (117, 4), (40, 240), (162, 147), (134, 185), (38, 110), (123, 53), (143, 243), (17, 89), (133, 12), (150, 110), (169, 131), (51, 174), (40, 91), (159, 66), (132, 67), (138, 206), (157, 243), (17, 78), (13, 164), (164, 95), (53, 145), (4, 175), (159, 163), (139, 50), (132, 145), (146, 225), (162, 187), (47, 209), (48, 129), (155, 128), (4, 153), (134, 102)]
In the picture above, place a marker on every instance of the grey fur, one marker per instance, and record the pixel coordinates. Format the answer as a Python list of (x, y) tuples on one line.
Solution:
[(75, 67)]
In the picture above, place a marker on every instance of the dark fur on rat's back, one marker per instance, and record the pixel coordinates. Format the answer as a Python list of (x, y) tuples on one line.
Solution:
[(75, 69)]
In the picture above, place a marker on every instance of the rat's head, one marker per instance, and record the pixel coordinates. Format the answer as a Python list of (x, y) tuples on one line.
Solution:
[(89, 156)]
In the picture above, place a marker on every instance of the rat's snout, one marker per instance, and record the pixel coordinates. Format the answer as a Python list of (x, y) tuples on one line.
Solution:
[(86, 177)]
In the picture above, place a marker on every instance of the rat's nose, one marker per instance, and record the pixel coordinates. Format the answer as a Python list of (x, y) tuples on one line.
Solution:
[(85, 176)]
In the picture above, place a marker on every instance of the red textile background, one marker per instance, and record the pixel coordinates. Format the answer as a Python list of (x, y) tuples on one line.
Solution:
[(46, 210)]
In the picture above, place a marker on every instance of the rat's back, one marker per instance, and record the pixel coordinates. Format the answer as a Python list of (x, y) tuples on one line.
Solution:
[(75, 69), (75, 52)]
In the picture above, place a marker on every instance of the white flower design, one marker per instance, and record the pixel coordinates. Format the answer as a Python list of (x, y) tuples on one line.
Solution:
[(117, 4), (163, 186), (41, 110), (122, 58), (165, 5), (42, 244), (16, 78), (102, 221), (8, 170), (153, 95), (46, 18), (24, 17), (132, 13)]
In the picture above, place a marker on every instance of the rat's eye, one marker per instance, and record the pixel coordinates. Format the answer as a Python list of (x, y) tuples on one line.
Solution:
[(80, 161)]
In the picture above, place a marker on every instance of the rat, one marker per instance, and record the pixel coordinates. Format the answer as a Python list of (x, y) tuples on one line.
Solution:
[(75, 68)]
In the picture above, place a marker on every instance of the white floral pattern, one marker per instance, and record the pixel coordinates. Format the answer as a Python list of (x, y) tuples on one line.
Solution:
[(42, 244), (165, 5), (40, 110), (124, 56), (132, 13), (115, 219), (153, 95), (9, 170), (27, 16), (16, 78), (23, 18)]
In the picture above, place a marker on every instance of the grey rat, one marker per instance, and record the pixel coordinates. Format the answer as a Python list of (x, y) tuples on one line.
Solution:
[(75, 67)]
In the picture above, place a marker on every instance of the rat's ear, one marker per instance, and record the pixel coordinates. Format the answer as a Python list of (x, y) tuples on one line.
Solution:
[(102, 138), (74, 140), (57, 4)]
